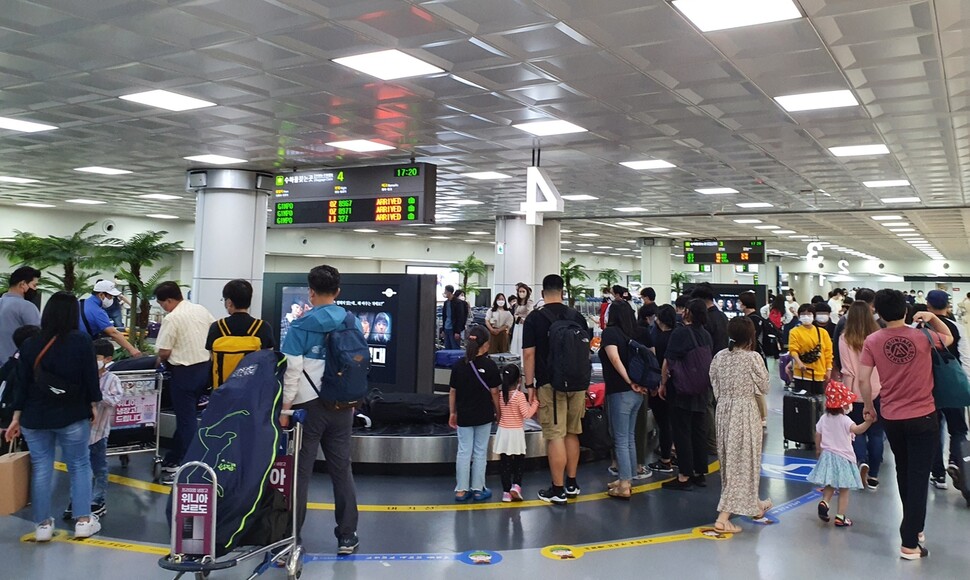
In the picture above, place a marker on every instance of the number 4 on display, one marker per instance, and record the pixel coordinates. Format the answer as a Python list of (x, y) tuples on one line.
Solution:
[(538, 183)]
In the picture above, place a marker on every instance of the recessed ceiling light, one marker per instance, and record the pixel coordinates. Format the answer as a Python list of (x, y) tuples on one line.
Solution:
[(715, 190), (161, 196), (461, 202), (900, 200), (886, 183), (581, 251), (564, 242), (23, 126), (443, 229), (440, 238), (709, 15), (895, 224), (565, 231), (679, 234), (486, 175), (360, 145), (162, 216), (628, 223), (547, 128), (657, 229), (405, 234), (215, 159), (580, 197), (87, 201), (815, 101), (798, 237), (584, 245), (648, 164), (472, 241), (907, 235), (767, 227), (17, 180), (747, 221), (780, 232), (859, 150), (388, 65), (37, 205), (365, 231), (887, 217), (754, 204), (102, 170), (588, 235), (630, 209), (167, 100), (902, 230), (479, 233), (604, 247)]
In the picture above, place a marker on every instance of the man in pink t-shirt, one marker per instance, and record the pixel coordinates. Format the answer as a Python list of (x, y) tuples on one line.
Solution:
[(903, 357)]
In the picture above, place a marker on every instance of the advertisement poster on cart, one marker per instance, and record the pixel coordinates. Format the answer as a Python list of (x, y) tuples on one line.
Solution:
[(376, 307), (136, 410), (194, 512)]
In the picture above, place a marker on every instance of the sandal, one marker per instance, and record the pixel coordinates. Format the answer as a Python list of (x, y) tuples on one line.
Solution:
[(613, 484), (823, 511), (462, 496), (765, 506), (842, 521), (727, 527), (621, 491)]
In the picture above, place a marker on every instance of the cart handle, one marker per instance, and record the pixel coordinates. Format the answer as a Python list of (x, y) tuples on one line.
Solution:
[(299, 415)]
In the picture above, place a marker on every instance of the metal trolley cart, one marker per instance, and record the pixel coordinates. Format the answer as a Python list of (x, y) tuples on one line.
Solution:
[(194, 519), (135, 428)]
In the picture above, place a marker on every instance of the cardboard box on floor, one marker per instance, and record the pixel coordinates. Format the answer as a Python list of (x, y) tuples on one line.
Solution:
[(14, 481)]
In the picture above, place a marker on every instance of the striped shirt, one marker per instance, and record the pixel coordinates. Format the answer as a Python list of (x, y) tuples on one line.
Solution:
[(517, 410), (184, 331), (111, 394)]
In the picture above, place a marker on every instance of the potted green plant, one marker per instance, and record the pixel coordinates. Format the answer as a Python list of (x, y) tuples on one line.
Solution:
[(470, 266), (76, 254), (609, 277), (572, 272), (678, 279)]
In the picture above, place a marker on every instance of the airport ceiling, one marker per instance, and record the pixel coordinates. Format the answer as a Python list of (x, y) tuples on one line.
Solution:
[(640, 76)]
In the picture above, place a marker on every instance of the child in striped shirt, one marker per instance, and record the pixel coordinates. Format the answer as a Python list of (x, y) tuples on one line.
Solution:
[(510, 436)]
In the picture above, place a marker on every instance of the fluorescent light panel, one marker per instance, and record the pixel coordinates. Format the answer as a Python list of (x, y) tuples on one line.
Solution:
[(895, 224), (486, 175), (715, 190), (747, 221), (24, 126), (710, 15), (767, 227), (102, 170), (648, 164), (360, 145), (162, 216), (754, 204), (588, 235), (37, 205), (900, 200), (628, 223), (388, 65), (815, 101), (859, 150), (886, 183), (547, 128), (630, 209), (17, 180), (160, 196), (580, 197), (86, 201), (365, 231), (167, 100), (214, 159), (881, 218), (657, 229)]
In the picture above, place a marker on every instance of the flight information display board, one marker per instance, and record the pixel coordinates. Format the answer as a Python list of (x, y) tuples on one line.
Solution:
[(724, 252), (355, 196)]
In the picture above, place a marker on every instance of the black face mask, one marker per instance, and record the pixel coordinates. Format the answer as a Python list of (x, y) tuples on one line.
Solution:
[(32, 296)]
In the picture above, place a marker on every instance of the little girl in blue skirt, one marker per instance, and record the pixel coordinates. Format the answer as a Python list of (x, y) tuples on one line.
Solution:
[(836, 466)]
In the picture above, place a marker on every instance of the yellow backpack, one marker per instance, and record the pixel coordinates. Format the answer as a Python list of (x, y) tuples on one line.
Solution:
[(228, 350)]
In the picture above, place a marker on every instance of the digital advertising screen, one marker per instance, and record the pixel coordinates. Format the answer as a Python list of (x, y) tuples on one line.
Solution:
[(726, 296)]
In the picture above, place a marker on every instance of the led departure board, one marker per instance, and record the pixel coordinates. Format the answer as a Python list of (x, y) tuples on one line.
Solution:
[(724, 252), (354, 196)]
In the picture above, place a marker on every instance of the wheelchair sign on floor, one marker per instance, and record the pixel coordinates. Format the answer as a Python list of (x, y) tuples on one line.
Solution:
[(787, 468)]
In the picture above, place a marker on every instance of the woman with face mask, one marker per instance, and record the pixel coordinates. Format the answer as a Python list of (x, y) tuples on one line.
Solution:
[(811, 352), (824, 319), (522, 309), (499, 323)]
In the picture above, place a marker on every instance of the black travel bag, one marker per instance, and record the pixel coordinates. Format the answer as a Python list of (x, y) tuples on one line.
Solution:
[(964, 467), (405, 408), (596, 431), (800, 413)]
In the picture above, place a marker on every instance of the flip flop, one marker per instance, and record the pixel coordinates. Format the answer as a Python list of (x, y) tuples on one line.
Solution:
[(728, 527)]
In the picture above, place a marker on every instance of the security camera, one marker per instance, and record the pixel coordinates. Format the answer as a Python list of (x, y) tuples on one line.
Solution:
[(107, 226), (304, 241), (946, 265), (881, 265)]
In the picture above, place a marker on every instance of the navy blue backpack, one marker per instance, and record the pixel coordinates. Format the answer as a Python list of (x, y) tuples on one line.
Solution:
[(347, 366)]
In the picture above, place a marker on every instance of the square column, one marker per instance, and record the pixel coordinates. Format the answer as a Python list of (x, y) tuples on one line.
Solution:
[(655, 266)]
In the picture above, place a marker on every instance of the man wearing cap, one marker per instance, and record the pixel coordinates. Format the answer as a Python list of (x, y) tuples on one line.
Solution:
[(94, 320), (955, 419)]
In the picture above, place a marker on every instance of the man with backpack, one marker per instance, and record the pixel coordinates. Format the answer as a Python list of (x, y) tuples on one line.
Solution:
[(556, 358), (326, 375), (233, 337)]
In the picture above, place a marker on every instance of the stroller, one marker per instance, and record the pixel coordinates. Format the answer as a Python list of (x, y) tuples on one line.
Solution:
[(233, 497)]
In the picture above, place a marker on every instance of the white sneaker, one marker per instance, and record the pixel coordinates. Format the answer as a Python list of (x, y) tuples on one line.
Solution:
[(88, 528), (44, 531)]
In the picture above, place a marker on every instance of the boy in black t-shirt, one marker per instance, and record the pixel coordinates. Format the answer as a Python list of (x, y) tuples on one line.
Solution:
[(238, 297)]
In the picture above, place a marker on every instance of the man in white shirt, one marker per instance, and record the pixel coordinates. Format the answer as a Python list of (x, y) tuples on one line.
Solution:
[(181, 346)]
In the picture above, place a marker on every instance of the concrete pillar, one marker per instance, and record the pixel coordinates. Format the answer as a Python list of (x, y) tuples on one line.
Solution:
[(655, 266), (230, 233), (515, 254), (723, 274), (548, 251)]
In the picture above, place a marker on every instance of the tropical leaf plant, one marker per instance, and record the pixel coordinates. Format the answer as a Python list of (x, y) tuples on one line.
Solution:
[(572, 272), (470, 266)]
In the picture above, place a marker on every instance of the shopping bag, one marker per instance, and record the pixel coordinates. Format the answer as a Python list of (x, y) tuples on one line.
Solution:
[(14, 481)]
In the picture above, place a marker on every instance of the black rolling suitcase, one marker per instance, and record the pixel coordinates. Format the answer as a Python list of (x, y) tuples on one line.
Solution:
[(596, 431), (800, 413), (405, 408), (964, 467)]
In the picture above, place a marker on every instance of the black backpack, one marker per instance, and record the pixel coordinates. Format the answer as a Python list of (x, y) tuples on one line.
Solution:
[(8, 376), (348, 364), (569, 351), (643, 368)]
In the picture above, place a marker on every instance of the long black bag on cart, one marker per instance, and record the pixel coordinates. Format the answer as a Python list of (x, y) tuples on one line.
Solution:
[(238, 437)]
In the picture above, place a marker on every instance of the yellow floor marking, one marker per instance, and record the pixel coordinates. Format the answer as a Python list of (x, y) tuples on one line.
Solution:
[(63, 537), (453, 507), (566, 553), (128, 482)]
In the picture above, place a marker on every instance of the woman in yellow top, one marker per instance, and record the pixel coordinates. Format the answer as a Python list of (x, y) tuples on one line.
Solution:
[(811, 351)]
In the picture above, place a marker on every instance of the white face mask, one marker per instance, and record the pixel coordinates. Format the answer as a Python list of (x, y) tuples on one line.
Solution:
[(100, 364), (806, 320), (822, 318), (522, 296), (501, 302), (107, 302), (875, 317)]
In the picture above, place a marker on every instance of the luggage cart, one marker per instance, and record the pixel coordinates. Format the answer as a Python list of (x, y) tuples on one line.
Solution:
[(135, 428), (194, 520)]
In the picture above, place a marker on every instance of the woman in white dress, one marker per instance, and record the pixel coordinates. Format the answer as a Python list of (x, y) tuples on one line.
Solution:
[(523, 306)]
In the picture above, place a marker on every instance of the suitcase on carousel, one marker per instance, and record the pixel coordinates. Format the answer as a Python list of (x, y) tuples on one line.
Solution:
[(406, 408), (447, 358), (800, 413)]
